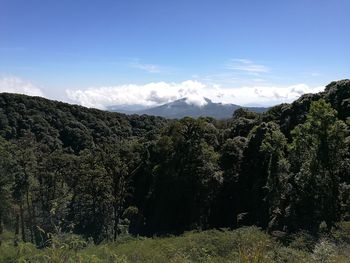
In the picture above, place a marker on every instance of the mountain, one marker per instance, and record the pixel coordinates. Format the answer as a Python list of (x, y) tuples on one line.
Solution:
[(181, 108), (126, 109)]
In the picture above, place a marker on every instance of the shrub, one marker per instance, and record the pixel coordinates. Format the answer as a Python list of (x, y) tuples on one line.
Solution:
[(324, 252)]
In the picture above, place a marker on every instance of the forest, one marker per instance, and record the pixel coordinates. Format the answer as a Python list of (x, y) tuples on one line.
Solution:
[(99, 176)]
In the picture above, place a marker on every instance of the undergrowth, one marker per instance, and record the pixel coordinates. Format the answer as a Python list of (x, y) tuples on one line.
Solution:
[(244, 245)]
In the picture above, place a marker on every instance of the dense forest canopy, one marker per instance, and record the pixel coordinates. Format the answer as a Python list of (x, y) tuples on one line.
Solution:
[(99, 174)]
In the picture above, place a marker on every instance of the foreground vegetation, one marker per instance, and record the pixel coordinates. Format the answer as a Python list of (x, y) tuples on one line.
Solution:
[(244, 245)]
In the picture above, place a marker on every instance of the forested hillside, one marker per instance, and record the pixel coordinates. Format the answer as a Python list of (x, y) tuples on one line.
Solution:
[(66, 168)]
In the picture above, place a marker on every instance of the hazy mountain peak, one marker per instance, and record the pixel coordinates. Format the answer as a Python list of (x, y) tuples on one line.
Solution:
[(193, 107)]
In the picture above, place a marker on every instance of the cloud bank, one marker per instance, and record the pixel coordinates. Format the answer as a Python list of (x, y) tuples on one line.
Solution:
[(157, 93), (18, 85)]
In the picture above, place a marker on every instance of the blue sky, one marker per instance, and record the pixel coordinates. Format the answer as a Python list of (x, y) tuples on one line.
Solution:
[(89, 51)]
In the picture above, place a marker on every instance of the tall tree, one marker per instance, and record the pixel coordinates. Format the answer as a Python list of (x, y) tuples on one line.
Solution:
[(319, 161), (90, 208), (185, 180), (264, 164), (273, 149), (225, 208), (119, 163), (24, 183), (7, 169)]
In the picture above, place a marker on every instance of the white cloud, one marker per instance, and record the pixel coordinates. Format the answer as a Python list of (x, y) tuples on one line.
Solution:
[(151, 94), (157, 93), (14, 84), (272, 95), (246, 65)]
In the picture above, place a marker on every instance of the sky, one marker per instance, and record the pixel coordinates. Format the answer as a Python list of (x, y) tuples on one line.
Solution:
[(126, 52)]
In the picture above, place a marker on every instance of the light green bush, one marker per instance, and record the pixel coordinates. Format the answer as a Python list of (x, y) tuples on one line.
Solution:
[(324, 252), (244, 245)]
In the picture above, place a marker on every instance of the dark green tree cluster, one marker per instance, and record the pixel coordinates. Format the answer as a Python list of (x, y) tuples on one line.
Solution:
[(98, 174)]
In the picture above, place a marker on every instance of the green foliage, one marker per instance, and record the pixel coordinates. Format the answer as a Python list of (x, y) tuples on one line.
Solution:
[(262, 180), (86, 174), (319, 160), (248, 244)]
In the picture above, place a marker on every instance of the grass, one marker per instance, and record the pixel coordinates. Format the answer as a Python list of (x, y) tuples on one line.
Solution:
[(244, 245)]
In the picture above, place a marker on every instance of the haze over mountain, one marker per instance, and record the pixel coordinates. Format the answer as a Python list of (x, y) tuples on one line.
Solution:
[(184, 108)]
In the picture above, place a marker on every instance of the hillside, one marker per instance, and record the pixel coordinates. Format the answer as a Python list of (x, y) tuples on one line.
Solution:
[(336, 93), (59, 124), (66, 169)]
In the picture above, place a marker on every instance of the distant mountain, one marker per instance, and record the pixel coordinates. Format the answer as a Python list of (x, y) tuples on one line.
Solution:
[(181, 108), (127, 109)]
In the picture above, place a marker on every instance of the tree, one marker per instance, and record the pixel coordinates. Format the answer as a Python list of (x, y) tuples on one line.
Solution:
[(263, 168), (117, 160), (319, 162), (55, 176), (225, 208), (243, 121), (7, 169), (273, 148), (90, 208), (26, 161), (186, 178)]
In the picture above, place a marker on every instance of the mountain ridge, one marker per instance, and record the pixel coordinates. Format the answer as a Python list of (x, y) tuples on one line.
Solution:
[(182, 108)]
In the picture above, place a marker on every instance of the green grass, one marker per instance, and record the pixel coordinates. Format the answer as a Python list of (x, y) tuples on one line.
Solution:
[(244, 245)]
